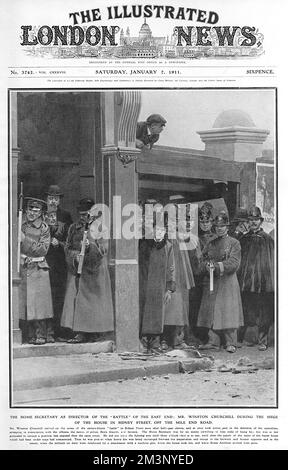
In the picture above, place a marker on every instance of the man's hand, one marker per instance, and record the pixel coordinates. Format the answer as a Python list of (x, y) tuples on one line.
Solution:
[(167, 297), (139, 144), (22, 237)]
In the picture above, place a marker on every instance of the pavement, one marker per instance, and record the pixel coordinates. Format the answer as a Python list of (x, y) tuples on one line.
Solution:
[(60, 364)]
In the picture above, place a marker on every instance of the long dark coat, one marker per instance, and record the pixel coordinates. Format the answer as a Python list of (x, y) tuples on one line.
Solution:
[(57, 264), (36, 296), (145, 247), (196, 292), (88, 300), (222, 309), (256, 278), (177, 311), (256, 273), (161, 277), (64, 216)]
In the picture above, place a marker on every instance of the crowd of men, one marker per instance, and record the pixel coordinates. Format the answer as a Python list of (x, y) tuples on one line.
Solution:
[(58, 301), (215, 290), (211, 290)]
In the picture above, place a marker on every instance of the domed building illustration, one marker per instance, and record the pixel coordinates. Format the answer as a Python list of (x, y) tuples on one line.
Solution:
[(145, 45)]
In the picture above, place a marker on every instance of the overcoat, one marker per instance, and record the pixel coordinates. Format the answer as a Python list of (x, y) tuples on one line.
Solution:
[(145, 247), (256, 273), (36, 296), (88, 300), (221, 309), (161, 277), (57, 264), (177, 311)]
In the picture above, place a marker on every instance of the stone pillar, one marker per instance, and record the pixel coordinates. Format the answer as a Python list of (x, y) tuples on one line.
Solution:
[(120, 114), (16, 280), (236, 143), (240, 144)]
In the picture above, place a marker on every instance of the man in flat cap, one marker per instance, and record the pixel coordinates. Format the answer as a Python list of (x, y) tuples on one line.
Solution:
[(88, 308), (36, 291), (148, 131), (59, 221), (256, 278)]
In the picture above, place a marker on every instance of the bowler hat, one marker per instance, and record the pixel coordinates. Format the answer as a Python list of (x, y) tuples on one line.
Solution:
[(156, 118), (255, 213), (35, 202), (221, 220), (54, 190), (85, 204)]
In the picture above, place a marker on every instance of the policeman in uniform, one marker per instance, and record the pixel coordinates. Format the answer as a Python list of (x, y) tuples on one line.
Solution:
[(36, 291), (205, 236), (148, 132), (256, 278)]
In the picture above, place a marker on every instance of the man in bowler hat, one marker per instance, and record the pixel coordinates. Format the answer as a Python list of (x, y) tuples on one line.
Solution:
[(53, 200), (148, 132), (59, 221)]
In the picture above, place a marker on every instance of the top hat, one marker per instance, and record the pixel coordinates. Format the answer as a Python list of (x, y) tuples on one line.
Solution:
[(54, 190), (34, 202), (241, 215), (221, 220), (85, 204), (255, 213), (156, 118)]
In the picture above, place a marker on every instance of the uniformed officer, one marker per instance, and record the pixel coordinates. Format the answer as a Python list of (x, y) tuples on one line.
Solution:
[(36, 298)]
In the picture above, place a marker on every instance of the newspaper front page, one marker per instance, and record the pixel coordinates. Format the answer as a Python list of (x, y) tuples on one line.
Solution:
[(117, 334)]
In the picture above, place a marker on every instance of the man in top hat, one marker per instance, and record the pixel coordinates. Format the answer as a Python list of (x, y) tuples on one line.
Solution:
[(221, 307), (59, 221), (88, 308), (159, 286), (36, 291), (53, 199), (148, 131), (177, 310), (256, 278)]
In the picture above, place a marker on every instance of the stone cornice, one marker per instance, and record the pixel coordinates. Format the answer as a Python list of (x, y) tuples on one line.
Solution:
[(234, 134)]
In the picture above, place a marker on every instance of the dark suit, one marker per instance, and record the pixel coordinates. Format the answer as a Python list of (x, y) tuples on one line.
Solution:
[(143, 134), (57, 264)]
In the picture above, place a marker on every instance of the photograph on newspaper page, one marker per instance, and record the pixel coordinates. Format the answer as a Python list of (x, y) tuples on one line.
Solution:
[(142, 175)]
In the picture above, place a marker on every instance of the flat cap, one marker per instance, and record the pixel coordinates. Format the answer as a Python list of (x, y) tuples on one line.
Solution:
[(156, 118), (35, 202)]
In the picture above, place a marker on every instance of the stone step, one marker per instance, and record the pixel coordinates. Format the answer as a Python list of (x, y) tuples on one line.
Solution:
[(61, 349)]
